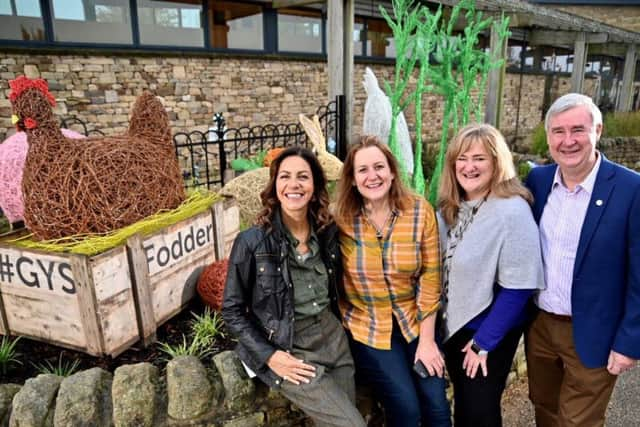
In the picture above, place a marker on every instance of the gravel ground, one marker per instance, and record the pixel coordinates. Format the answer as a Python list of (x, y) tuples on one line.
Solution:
[(623, 410)]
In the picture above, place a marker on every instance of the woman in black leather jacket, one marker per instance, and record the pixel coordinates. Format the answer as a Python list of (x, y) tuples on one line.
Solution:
[(281, 294)]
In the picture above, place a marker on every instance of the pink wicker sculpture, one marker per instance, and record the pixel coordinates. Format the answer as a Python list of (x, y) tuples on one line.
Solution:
[(13, 152)]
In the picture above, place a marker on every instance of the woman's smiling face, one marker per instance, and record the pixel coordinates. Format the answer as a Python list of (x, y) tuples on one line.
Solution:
[(371, 174), (294, 185), (474, 171)]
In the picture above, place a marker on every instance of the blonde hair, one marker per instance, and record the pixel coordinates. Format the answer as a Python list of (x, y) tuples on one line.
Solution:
[(504, 182), (349, 200)]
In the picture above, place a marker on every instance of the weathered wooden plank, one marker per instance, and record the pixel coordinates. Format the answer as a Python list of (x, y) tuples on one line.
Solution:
[(579, 62), (142, 291), (52, 318), (86, 296), (117, 316), (496, 79), (111, 273), (231, 225), (626, 94), (568, 38), (217, 216), (335, 46), (175, 245), (174, 292), (278, 4)]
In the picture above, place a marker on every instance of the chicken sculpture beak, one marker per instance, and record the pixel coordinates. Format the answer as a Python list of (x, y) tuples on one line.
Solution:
[(14, 119)]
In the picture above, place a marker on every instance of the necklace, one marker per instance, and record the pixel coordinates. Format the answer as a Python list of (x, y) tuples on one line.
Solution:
[(379, 229)]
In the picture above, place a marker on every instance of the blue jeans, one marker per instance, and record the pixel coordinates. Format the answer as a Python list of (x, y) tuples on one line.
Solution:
[(408, 400)]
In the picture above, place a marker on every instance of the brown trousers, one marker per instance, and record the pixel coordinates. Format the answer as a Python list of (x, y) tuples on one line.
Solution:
[(564, 392)]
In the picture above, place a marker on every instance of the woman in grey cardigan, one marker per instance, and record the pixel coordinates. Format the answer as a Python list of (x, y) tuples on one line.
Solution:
[(491, 267)]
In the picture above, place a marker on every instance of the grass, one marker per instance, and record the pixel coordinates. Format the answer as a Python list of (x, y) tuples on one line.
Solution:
[(207, 327), (62, 369), (8, 353), (621, 124), (184, 349)]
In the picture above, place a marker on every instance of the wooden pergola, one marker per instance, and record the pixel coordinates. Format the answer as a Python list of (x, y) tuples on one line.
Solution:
[(540, 25)]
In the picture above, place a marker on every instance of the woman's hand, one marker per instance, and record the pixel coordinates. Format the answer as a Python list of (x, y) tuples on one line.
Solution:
[(472, 361), (290, 369), (429, 353)]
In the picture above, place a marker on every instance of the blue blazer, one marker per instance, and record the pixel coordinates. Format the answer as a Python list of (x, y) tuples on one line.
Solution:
[(605, 294)]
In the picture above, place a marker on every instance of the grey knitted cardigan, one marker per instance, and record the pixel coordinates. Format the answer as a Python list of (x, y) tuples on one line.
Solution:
[(502, 246)]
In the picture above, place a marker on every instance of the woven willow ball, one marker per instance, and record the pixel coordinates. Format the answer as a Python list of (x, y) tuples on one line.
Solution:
[(246, 189)]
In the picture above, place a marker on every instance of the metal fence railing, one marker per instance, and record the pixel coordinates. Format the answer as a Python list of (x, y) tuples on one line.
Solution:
[(205, 157)]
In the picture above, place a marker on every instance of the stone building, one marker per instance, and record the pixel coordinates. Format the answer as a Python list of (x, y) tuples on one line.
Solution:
[(266, 61)]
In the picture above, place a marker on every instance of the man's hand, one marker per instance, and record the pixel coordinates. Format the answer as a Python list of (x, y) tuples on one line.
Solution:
[(290, 369), (619, 363)]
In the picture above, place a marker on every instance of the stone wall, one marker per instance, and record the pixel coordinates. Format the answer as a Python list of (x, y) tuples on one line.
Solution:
[(625, 151), (627, 17), (189, 394), (101, 90)]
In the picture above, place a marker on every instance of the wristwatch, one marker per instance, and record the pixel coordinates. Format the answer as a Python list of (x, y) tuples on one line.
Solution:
[(477, 349)]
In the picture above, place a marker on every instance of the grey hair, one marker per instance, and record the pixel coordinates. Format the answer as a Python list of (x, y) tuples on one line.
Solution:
[(572, 100)]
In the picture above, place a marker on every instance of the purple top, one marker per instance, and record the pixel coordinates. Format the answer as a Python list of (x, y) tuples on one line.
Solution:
[(505, 312)]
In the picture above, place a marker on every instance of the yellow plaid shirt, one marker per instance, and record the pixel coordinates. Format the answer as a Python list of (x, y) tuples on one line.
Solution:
[(398, 274)]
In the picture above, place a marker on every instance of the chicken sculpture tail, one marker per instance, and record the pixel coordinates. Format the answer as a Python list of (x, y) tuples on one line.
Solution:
[(150, 121)]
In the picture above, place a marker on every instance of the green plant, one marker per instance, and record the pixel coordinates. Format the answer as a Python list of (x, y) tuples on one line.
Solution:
[(62, 369), (539, 141), (621, 124), (524, 168), (8, 353), (242, 164), (184, 349), (206, 327)]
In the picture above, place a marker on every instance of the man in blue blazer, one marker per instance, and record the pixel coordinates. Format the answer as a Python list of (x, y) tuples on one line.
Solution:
[(587, 325)]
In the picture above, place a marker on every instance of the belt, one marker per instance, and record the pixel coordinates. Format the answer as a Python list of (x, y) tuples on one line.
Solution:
[(560, 317), (310, 320)]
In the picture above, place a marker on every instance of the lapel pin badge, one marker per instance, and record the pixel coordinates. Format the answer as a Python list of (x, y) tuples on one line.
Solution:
[(599, 202)]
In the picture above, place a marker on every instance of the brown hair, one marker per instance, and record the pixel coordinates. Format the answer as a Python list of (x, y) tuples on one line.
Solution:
[(319, 204), (349, 200), (504, 182)]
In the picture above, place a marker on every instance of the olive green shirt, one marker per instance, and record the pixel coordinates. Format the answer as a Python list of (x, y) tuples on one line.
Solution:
[(309, 277)]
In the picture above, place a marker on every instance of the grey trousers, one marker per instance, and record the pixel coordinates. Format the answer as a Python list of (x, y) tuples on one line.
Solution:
[(329, 399)]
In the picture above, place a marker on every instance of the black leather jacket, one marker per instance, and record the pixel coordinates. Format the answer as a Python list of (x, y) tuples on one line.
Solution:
[(258, 298)]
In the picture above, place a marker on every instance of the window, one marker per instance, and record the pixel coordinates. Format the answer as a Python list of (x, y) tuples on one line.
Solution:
[(236, 25), (358, 36), (173, 23), (91, 21), (299, 31), (380, 41), (21, 20)]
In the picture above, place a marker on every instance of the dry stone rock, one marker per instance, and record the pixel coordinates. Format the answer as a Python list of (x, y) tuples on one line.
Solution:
[(134, 395), (189, 391), (84, 399), (33, 404), (238, 387), (7, 391), (252, 420)]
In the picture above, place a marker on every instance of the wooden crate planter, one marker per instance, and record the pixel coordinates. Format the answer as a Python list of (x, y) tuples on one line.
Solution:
[(74, 301), (166, 265), (91, 304)]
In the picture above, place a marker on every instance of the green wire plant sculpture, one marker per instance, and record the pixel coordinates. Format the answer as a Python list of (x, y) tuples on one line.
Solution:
[(452, 66)]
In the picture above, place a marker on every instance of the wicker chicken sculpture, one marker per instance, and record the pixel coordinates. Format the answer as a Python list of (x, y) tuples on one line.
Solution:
[(99, 184)]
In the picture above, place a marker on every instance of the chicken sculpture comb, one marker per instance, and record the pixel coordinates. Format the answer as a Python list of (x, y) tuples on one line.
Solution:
[(22, 83)]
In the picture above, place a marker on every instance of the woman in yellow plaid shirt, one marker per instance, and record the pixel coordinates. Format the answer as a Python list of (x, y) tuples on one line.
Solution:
[(389, 242)]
